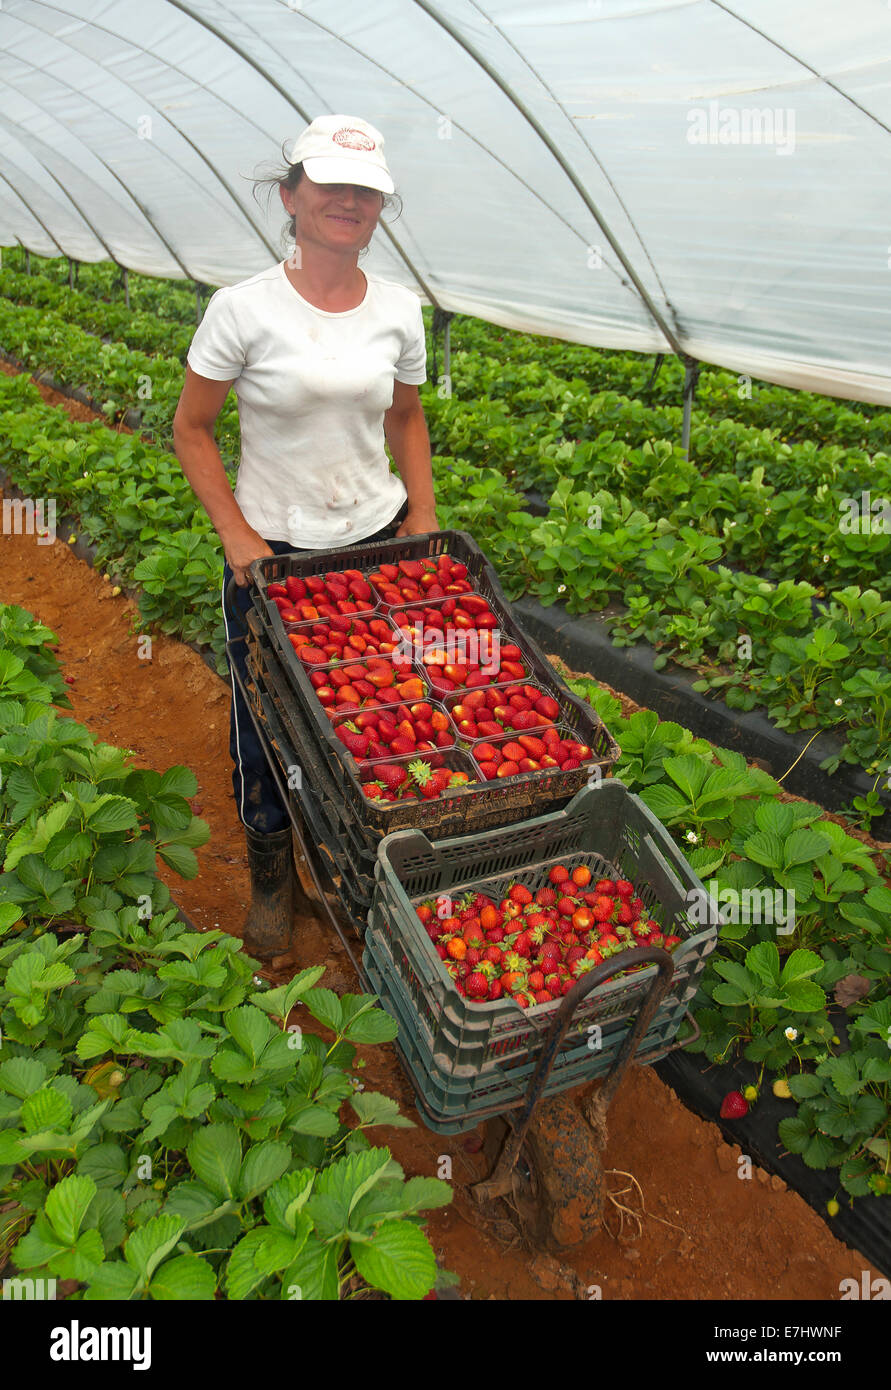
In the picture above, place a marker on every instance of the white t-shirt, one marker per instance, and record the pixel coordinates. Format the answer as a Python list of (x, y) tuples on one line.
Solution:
[(312, 390)]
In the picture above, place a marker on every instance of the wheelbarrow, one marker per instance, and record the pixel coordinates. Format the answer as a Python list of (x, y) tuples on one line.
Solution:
[(544, 1152)]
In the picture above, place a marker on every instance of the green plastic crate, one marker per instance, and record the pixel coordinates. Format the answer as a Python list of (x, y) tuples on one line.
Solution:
[(607, 828)]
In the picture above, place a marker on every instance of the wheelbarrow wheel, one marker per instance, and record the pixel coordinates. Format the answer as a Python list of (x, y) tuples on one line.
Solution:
[(558, 1189)]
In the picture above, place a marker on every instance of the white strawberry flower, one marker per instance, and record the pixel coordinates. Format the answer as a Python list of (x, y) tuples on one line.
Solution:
[(839, 701), (791, 1034), (561, 588), (691, 837)]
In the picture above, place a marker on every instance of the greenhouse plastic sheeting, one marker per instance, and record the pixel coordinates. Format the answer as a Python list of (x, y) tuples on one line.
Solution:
[(664, 175)]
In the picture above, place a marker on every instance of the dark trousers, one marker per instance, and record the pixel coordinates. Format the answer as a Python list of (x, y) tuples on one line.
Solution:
[(257, 798)]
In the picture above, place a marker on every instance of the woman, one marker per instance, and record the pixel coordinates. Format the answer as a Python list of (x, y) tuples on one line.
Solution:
[(326, 362)]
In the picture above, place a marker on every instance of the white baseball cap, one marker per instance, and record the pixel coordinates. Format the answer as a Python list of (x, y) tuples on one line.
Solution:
[(343, 149)]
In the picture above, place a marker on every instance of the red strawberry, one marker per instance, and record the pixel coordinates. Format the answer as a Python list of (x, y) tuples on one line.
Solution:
[(476, 985), (545, 897), (566, 906), (734, 1106), (519, 894), (558, 874), (605, 885), (536, 980), (391, 775), (495, 989), (624, 888)]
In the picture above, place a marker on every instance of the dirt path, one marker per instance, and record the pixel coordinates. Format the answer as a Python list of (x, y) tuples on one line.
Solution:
[(710, 1234)]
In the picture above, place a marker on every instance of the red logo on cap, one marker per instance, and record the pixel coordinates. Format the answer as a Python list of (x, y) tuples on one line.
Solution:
[(353, 139)]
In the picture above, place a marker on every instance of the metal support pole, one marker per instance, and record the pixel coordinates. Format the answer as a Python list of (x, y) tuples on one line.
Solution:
[(70, 273), (197, 302), (27, 261), (126, 287), (691, 376)]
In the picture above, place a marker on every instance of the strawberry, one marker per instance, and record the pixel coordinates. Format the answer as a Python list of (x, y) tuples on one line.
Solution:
[(495, 990), (494, 954), (581, 876), (476, 985), (519, 894), (353, 738), (490, 916), (390, 775), (605, 885), (734, 1106), (543, 996), (545, 897), (566, 906), (536, 980), (558, 874), (624, 888)]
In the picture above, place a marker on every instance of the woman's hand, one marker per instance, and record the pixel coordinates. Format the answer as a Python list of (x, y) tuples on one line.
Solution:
[(241, 548), (418, 521)]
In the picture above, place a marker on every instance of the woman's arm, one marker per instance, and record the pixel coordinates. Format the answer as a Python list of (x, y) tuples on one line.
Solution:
[(406, 433), (196, 448)]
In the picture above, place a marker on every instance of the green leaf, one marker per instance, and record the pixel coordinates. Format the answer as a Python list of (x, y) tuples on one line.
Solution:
[(214, 1155), (804, 997), (765, 847), (844, 1074), (262, 1252), (186, 1278), (285, 1199), (324, 1006), (373, 1108), (764, 960), (804, 845), (799, 965), (66, 1206), (147, 1246), (263, 1164), (109, 813), (372, 1026), (313, 1275), (21, 1076), (251, 1029), (46, 1109), (397, 1259), (112, 1281), (804, 1085)]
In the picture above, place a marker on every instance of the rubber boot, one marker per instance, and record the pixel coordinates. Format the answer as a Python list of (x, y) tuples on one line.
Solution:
[(269, 923)]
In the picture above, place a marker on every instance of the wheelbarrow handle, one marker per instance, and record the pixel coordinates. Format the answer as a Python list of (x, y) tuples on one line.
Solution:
[(498, 1184)]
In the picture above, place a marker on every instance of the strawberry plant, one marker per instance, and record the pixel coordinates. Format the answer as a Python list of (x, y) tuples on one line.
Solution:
[(167, 1129)]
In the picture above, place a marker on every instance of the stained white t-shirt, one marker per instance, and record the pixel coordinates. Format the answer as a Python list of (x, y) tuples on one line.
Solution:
[(312, 390)]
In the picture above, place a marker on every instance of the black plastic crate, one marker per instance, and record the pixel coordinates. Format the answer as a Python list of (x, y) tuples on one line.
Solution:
[(497, 802), (607, 828), (496, 811), (350, 872)]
